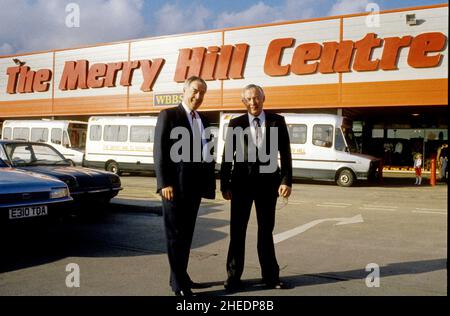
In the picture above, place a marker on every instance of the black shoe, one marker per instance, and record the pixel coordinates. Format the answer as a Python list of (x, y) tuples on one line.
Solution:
[(232, 285), (186, 292)]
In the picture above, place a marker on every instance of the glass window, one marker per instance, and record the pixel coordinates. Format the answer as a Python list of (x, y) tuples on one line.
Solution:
[(95, 133), (39, 134), (339, 142), (115, 133), (56, 136), (7, 131), (142, 134), (322, 135), (21, 133), (27, 154), (66, 139), (297, 133)]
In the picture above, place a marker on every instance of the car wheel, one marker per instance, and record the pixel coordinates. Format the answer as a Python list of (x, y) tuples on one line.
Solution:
[(113, 167), (345, 178)]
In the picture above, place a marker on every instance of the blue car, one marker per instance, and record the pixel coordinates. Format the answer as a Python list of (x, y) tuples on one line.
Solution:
[(25, 195), (87, 186)]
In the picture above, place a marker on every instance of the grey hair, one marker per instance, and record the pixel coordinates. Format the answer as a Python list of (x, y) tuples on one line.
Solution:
[(191, 79), (253, 86)]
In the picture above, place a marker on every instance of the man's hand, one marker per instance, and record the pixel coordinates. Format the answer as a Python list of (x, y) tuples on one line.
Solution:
[(167, 193), (284, 191), (226, 194)]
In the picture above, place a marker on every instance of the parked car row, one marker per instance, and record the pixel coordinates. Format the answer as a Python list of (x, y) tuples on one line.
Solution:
[(38, 181)]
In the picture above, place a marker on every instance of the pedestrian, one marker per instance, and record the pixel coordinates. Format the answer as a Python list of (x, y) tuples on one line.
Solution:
[(442, 160), (418, 168), (244, 181), (182, 183)]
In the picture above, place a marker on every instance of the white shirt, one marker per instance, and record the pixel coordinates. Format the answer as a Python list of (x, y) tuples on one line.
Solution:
[(198, 121), (262, 120)]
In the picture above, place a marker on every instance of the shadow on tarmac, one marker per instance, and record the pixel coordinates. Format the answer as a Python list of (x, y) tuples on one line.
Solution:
[(293, 281), (109, 235)]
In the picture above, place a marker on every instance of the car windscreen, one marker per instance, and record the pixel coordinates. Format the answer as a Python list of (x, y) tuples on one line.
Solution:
[(26, 154)]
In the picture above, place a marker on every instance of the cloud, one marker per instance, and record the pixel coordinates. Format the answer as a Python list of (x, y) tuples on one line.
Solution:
[(262, 13), (6, 49), (41, 24), (348, 6), (174, 18)]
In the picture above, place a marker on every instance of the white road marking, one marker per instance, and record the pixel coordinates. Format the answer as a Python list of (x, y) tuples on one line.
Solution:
[(378, 209), (379, 206), (431, 209), (430, 212), (301, 229), (333, 204)]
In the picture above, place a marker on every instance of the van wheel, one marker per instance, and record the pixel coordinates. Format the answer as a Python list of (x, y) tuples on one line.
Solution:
[(345, 178), (113, 167)]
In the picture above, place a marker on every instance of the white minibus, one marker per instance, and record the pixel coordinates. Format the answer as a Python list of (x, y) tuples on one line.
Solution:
[(66, 136), (323, 148), (120, 143)]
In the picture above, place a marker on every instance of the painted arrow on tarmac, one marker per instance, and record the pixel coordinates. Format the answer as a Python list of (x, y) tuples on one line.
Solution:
[(301, 229)]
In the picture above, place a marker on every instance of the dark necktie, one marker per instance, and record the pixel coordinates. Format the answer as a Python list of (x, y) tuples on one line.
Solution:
[(196, 136), (258, 132), (195, 128)]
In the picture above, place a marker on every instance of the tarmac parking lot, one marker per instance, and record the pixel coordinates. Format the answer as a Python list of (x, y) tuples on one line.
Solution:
[(382, 240)]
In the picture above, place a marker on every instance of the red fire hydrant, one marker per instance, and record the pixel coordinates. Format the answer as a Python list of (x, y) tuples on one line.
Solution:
[(433, 172)]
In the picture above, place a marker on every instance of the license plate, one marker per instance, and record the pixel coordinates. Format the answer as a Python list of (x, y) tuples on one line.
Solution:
[(28, 211)]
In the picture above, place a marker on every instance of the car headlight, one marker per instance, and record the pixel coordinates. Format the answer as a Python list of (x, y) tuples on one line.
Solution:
[(115, 180), (59, 193)]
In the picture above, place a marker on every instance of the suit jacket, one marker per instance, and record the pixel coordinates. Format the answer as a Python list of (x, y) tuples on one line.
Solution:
[(234, 174), (186, 177)]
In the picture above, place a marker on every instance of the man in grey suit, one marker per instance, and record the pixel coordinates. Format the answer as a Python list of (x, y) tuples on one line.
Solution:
[(182, 183)]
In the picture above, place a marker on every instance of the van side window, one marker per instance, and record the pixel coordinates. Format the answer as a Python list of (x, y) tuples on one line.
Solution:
[(39, 134), (7, 131), (322, 135), (56, 136), (66, 141), (95, 133), (339, 142), (21, 133), (115, 133), (297, 133), (142, 134)]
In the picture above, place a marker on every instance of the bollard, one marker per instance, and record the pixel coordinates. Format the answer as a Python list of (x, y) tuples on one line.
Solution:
[(380, 172), (433, 172)]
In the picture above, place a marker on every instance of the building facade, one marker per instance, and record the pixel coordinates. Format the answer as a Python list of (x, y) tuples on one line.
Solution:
[(386, 71)]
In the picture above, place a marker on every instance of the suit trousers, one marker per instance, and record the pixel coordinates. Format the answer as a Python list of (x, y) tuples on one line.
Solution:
[(241, 203), (179, 221)]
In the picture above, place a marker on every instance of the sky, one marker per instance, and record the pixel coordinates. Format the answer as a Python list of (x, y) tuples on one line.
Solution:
[(35, 25)]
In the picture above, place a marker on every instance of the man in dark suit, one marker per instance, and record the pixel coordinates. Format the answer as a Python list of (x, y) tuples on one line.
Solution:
[(247, 177), (183, 177)]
